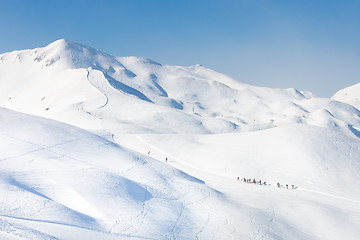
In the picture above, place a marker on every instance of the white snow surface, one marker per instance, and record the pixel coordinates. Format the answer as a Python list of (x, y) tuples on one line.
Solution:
[(84, 137), (350, 95)]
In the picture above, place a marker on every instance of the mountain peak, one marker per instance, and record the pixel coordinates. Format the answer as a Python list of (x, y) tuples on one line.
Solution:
[(76, 55), (60, 43), (69, 45), (65, 46)]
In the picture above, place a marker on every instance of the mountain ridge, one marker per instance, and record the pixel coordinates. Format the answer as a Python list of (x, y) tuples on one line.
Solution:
[(212, 102), (150, 151)]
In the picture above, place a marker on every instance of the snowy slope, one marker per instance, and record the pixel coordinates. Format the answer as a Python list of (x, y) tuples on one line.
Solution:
[(61, 181), (350, 95), (66, 183), (307, 156), (79, 85)]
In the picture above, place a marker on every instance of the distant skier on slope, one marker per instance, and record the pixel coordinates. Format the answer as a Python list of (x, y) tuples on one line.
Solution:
[(278, 184)]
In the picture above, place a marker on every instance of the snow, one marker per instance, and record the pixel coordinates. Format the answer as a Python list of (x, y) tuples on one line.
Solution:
[(350, 95), (84, 137)]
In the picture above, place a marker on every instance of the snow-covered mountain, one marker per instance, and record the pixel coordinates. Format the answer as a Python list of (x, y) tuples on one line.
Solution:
[(350, 95), (96, 166), (70, 82)]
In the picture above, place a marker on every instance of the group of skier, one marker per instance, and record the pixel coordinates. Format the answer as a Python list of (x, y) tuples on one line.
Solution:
[(252, 181), (287, 186), (249, 180)]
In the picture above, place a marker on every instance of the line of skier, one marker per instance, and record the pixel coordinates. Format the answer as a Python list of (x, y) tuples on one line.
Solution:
[(252, 181), (287, 186), (249, 180)]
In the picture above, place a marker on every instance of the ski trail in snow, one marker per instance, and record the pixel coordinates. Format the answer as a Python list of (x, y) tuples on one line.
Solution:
[(41, 148), (184, 203), (220, 175), (203, 228), (177, 221), (139, 220), (168, 191), (329, 195), (122, 236), (179, 161), (48, 222), (50, 149), (228, 234), (107, 99), (18, 231)]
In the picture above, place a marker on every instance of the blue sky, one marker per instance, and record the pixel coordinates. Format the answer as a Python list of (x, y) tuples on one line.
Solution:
[(309, 45)]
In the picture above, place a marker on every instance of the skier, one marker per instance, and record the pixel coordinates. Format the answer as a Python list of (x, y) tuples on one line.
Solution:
[(148, 152), (238, 178), (260, 182), (165, 159), (286, 186), (244, 179), (254, 181), (278, 184), (264, 183), (293, 186)]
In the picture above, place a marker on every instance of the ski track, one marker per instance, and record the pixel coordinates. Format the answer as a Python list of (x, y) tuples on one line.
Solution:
[(167, 191), (179, 161), (220, 175), (329, 195), (226, 223), (135, 227), (107, 99), (203, 228), (41, 148), (49, 222), (18, 230), (122, 236), (255, 229), (49, 148), (177, 221), (271, 222)]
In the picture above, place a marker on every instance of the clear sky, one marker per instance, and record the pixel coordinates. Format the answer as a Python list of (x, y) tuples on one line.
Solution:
[(309, 45)]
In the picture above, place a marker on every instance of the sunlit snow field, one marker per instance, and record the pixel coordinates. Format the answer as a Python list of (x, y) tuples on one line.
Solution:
[(102, 147)]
